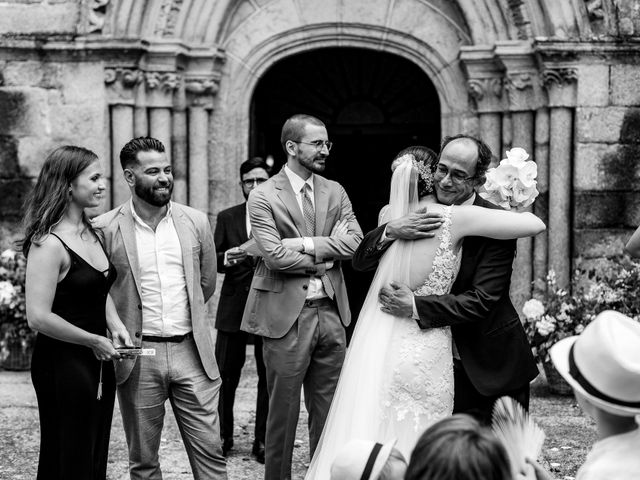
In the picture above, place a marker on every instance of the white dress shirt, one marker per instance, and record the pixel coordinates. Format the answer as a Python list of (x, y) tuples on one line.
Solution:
[(316, 290), (165, 302)]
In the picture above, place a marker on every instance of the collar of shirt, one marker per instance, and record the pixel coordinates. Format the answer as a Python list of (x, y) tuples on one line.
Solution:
[(142, 222), (470, 200), (297, 182)]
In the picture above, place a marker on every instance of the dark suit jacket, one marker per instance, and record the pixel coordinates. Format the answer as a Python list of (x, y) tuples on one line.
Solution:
[(487, 331), (231, 231)]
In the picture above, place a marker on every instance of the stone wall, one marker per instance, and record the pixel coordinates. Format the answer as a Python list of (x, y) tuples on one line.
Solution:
[(606, 168), (44, 105)]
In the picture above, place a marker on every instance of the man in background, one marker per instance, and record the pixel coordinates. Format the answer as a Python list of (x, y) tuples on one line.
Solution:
[(232, 230)]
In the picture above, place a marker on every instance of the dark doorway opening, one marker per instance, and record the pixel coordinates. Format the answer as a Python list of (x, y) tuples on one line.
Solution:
[(373, 103)]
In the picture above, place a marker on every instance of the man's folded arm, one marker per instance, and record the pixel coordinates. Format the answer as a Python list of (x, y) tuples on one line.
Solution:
[(340, 247), (275, 255)]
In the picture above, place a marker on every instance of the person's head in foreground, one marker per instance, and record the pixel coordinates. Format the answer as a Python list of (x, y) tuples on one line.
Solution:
[(602, 365), (458, 448), (368, 460)]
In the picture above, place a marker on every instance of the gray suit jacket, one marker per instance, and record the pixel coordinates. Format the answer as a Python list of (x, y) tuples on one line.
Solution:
[(280, 282), (199, 261)]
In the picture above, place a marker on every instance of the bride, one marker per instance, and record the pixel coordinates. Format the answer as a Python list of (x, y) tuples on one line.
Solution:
[(398, 379)]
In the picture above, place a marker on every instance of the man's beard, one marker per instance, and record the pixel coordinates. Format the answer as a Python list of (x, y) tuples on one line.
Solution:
[(152, 196), (311, 165)]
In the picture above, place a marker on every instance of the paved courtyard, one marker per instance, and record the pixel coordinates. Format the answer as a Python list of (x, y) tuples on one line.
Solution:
[(19, 435)]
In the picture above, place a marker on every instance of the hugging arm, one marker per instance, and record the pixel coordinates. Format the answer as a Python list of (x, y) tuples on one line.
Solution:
[(494, 223), (491, 280), (276, 256)]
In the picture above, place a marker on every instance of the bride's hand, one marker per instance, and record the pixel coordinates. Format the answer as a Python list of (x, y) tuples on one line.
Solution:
[(419, 224)]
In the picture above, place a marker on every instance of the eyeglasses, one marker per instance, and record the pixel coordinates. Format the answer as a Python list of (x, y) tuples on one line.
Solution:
[(318, 144), (456, 177), (253, 182)]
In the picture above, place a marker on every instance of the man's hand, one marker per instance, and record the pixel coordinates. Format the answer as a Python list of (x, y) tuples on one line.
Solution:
[(419, 224), (235, 255), (340, 228), (396, 300), (295, 244)]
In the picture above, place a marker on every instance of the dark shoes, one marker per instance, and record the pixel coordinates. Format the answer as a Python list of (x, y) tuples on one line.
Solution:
[(258, 451), (227, 444)]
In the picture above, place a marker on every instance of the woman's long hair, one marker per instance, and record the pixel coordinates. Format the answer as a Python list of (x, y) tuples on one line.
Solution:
[(49, 199)]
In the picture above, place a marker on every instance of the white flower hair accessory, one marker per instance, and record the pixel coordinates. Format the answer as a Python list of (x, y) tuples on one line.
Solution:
[(512, 184), (423, 170)]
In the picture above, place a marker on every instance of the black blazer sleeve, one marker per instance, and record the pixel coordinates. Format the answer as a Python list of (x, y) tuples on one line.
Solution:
[(368, 254), (220, 239), (487, 281)]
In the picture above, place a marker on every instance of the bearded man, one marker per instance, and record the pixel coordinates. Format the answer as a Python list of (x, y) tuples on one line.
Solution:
[(304, 227), (166, 262)]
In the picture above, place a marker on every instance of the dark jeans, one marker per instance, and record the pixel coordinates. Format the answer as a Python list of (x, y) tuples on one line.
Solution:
[(468, 400)]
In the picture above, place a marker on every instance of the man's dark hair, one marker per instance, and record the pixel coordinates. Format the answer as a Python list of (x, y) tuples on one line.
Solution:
[(484, 153), (254, 162), (293, 128), (129, 153)]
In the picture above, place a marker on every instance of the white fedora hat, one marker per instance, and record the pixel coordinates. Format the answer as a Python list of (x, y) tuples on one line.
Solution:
[(603, 363), (361, 459)]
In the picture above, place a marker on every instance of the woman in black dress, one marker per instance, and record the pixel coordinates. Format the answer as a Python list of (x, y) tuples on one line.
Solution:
[(67, 283)]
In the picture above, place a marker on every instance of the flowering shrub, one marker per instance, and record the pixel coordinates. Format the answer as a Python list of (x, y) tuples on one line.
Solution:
[(13, 319), (512, 184), (562, 314)]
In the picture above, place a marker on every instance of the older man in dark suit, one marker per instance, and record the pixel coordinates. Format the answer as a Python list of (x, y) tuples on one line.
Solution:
[(232, 230), (492, 356)]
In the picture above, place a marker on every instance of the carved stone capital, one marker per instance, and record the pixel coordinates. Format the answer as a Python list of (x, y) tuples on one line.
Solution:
[(559, 76), (560, 83), (120, 82), (164, 81)]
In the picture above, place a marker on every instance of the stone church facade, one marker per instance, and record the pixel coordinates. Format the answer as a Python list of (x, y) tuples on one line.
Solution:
[(557, 77)]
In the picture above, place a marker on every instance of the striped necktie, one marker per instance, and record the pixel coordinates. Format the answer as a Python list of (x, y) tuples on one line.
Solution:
[(310, 221)]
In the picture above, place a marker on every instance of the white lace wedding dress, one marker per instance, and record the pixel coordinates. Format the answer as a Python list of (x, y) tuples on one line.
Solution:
[(397, 379)]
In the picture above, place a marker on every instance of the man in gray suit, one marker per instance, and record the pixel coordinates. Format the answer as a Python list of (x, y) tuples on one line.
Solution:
[(166, 262), (304, 226)]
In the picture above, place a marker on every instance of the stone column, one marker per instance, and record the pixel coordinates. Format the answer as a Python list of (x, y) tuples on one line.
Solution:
[(561, 87), (524, 94), (200, 91), (160, 89), (120, 84), (180, 147), (541, 206), (485, 87)]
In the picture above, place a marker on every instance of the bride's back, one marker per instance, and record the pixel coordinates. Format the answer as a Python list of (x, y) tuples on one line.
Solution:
[(425, 251)]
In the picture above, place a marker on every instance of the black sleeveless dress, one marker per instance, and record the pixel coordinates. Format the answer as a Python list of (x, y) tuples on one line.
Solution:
[(75, 425)]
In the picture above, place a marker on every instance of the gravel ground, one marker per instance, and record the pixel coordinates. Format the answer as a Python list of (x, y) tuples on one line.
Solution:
[(569, 434)]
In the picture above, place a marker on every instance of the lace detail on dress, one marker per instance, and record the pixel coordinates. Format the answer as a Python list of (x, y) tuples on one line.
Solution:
[(419, 387)]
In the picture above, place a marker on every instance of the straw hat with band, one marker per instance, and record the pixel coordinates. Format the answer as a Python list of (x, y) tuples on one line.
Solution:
[(603, 363), (361, 460)]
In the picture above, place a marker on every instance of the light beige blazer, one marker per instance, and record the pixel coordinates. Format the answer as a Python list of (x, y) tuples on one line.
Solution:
[(281, 279), (198, 259)]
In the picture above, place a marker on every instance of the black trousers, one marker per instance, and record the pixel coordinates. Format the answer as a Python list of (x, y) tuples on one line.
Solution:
[(231, 354), (468, 400)]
